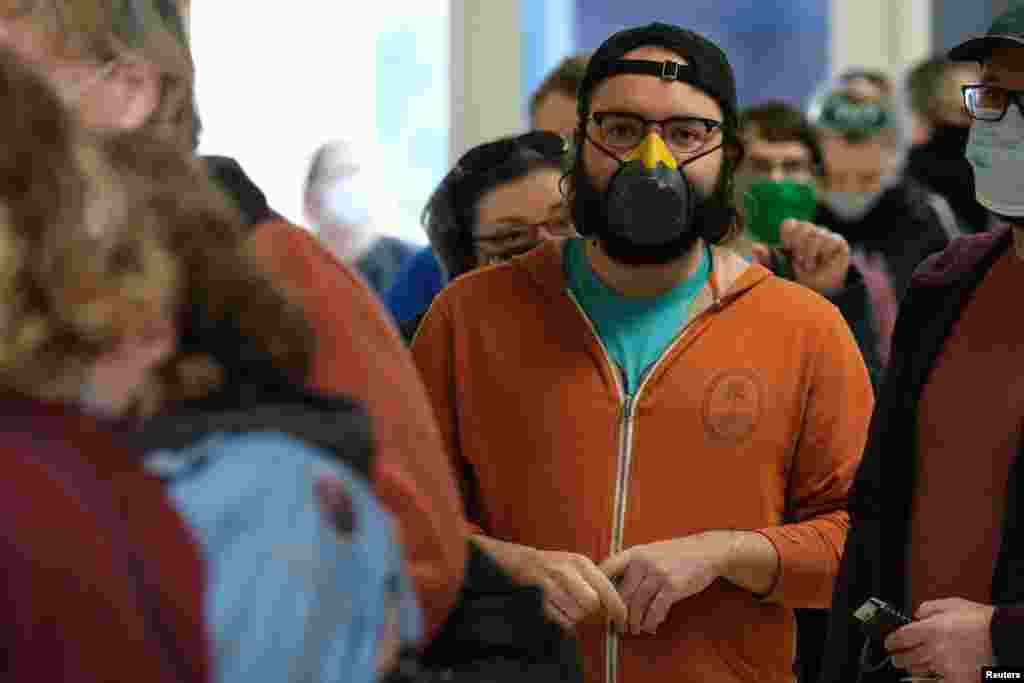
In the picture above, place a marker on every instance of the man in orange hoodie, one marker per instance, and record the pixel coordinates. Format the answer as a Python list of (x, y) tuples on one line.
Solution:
[(658, 433), (126, 65)]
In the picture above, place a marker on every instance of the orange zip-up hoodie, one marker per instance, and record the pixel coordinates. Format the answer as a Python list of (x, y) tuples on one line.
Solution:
[(359, 353), (753, 419)]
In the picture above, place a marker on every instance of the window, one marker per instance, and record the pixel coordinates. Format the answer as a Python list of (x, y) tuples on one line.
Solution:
[(274, 84)]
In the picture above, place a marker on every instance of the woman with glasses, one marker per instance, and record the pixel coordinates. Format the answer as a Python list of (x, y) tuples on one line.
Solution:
[(501, 199)]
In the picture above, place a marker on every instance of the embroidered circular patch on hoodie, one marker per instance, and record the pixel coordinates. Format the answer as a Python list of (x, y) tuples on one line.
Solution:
[(732, 406)]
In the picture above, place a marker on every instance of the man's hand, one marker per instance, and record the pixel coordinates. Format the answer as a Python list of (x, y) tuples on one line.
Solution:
[(658, 575), (820, 257), (574, 588), (951, 639)]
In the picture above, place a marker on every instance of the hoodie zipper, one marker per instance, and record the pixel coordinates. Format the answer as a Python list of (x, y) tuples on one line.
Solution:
[(625, 458)]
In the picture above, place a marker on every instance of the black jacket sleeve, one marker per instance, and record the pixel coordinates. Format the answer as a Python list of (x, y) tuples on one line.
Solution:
[(1008, 634), (854, 303)]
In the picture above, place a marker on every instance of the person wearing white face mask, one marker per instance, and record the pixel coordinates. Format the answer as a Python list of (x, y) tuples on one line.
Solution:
[(936, 509), (342, 202), (891, 222)]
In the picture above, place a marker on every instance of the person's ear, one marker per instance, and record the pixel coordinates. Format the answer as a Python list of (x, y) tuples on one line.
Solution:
[(133, 91)]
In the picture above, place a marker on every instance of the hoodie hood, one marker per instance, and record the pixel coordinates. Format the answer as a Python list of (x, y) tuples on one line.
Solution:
[(731, 275), (963, 257)]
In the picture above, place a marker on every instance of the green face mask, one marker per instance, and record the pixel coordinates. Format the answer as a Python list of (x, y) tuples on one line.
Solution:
[(768, 203)]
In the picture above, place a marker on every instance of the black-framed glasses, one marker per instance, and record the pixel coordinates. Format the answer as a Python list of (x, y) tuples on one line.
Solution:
[(624, 131), (990, 102), (502, 242)]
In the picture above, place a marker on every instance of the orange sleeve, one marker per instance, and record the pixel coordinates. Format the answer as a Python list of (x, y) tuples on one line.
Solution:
[(829, 450), (360, 353), (434, 353)]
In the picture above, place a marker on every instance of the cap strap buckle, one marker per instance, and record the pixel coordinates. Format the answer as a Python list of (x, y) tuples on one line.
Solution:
[(670, 70)]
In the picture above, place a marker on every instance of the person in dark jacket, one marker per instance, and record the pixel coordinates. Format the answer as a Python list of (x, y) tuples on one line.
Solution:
[(892, 222), (866, 196), (941, 129), (935, 509)]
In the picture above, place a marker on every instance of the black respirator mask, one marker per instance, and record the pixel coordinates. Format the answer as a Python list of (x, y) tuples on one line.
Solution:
[(650, 201), (650, 213)]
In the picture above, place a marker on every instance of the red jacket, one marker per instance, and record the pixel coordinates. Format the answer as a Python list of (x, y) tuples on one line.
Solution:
[(73, 609)]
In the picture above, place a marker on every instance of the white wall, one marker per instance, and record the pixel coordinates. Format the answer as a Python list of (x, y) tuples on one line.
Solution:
[(880, 34), (275, 80), (486, 83)]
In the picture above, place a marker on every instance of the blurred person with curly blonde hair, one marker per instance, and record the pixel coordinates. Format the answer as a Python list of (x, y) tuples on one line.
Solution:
[(88, 293), (125, 65)]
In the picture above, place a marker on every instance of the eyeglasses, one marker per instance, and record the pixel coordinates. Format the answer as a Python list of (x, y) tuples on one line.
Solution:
[(990, 102), (512, 239), (623, 131)]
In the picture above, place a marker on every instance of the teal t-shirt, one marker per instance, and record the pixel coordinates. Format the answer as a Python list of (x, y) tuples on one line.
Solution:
[(635, 330)]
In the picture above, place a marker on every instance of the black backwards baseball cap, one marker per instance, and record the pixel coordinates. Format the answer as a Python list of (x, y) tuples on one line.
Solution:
[(707, 67), (1006, 31)]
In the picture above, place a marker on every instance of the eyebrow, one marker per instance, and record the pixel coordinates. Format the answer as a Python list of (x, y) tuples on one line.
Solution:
[(798, 158), (989, 75), (626, 112), (521, 220)]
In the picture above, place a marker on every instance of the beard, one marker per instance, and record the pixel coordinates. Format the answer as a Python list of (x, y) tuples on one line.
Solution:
[(587, 207)]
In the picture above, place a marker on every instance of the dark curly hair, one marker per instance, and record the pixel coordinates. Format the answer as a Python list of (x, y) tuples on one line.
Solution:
[(450, 216), (778, 121)]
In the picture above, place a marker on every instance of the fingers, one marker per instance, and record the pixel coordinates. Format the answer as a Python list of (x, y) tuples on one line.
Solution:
[(572, 594), (616, 564), (933, 607), (811, 245), (761, 254), (798, 240), (917, 661), (557, 615), (658, 611), (640, 602), (577, 588), (792, 232), (609, 597), (631, 580), (906, 638)]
